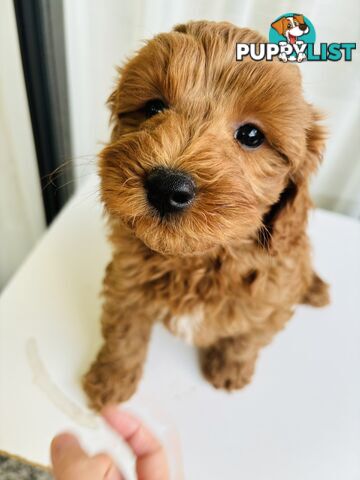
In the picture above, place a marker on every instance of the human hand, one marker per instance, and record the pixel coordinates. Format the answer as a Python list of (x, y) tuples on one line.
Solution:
[(71, 462)]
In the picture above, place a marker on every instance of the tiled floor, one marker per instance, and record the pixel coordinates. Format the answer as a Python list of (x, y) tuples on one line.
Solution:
[(14, 469)]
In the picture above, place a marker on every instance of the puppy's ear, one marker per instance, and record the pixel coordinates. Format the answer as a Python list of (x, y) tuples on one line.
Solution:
[(289, 212), (299, 18), (267, 230), (111, 103), (316, 135), (280, 25)]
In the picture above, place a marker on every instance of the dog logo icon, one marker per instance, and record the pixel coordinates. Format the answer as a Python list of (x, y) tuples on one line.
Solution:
[(295, 30), (291, 27)]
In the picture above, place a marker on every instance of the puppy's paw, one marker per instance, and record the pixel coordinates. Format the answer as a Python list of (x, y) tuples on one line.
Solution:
[(229, 374), (105, 384)]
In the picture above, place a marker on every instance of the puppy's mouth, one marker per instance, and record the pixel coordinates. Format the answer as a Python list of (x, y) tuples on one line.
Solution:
[(292, 39), (167, 237)]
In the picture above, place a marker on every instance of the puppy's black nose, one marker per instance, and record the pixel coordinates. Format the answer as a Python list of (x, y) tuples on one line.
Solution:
[(169, 191), (303, 26)]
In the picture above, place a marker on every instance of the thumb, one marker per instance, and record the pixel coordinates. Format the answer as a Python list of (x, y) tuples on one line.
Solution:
[(70, 462), (66, 450)]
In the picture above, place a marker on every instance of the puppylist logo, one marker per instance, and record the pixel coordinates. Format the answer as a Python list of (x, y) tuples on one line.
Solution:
[(292, 39)]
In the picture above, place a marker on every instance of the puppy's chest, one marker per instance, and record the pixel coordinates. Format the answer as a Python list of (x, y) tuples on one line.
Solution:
[(187, 286), (186, 326), (194, 300)]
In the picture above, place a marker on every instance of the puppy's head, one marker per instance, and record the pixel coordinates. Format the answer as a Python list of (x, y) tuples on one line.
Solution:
[(204, 147)]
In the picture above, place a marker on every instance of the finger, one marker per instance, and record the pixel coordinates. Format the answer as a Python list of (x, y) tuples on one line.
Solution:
[(66, 450), (139, 438), (105, 463), (70, 462), (151, 460)]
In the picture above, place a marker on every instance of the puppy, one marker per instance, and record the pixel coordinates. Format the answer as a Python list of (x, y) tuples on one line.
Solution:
[(291, 27), (205, 183)]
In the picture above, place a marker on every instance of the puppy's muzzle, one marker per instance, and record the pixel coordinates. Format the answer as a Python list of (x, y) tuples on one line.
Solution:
[(169, 191)]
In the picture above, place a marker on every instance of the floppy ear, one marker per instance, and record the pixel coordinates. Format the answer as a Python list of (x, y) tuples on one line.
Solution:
[(112, 104), (290, 211), (267, 231), (279, 25), (112, 100), (113, 121), (299, 18), (316, 135)]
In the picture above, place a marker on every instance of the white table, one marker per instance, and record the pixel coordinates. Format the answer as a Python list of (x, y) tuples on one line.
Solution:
[(298, 420)]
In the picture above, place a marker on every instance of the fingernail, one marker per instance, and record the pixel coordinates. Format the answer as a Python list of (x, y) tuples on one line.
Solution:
[(63, 440)]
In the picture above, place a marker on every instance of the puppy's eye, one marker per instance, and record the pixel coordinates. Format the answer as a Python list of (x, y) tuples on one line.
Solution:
[(249, 135), (289, 25), (153, 107)]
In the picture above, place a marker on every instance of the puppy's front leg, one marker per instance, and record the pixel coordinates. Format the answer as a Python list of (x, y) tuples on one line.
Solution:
[(114, 375), (230, 362)]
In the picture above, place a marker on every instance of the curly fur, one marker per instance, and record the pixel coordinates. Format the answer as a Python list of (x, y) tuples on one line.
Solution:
[(238, 260)]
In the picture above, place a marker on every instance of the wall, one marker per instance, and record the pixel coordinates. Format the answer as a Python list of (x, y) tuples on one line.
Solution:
[(21, 209), (100, 34)]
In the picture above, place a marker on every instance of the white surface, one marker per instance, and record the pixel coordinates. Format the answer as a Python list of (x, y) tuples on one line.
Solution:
[(298, 420)]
